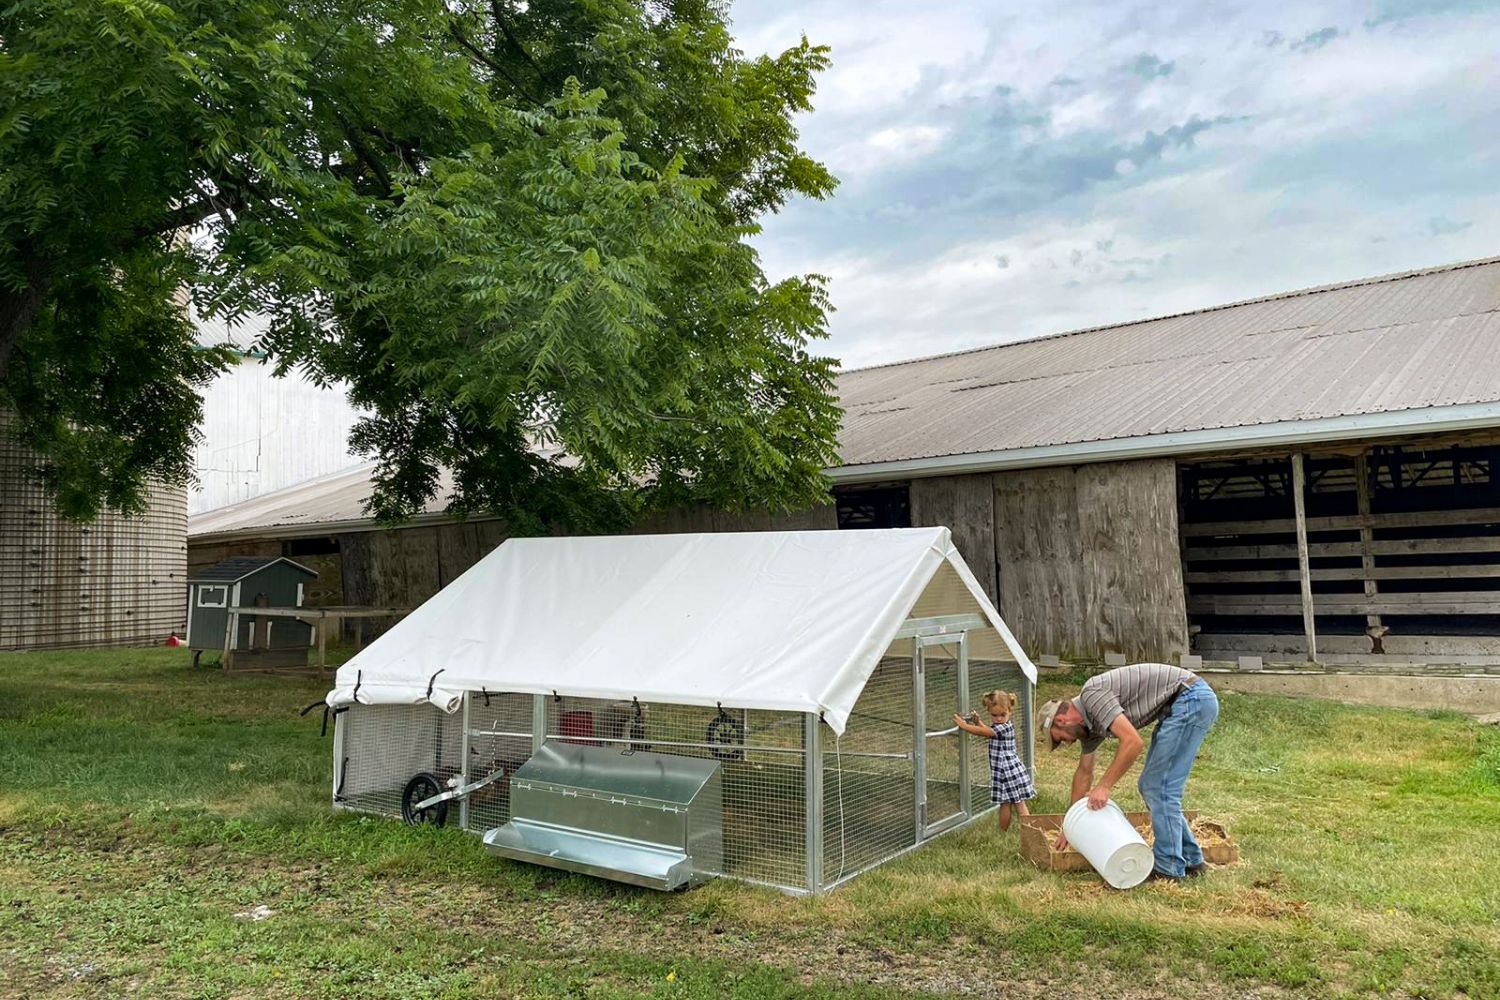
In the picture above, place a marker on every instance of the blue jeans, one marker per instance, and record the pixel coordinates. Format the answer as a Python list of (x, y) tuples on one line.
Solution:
[(1174, 747)]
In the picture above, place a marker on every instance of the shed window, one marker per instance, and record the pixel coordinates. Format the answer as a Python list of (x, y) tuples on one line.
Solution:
[(213, 597)]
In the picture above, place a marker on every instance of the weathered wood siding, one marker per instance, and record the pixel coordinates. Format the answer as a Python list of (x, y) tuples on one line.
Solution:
[(119, 581), (403, 567), (1089, 559), (966, 506)]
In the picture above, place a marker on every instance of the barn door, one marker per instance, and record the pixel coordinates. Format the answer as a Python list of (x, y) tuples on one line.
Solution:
[(940, 688)]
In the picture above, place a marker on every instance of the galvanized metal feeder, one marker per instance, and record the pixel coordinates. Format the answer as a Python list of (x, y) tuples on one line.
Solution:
[(649, 819), (660, 710)]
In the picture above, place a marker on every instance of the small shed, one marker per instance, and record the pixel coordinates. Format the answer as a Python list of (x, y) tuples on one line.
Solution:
[(817, 671), (245, 581)]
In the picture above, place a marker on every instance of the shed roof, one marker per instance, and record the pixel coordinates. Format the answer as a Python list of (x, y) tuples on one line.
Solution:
[(236, 568), (780, 620), (328, 503)]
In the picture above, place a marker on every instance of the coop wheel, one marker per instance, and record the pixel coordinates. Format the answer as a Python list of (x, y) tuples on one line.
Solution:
[(423, 786), (729, 736)]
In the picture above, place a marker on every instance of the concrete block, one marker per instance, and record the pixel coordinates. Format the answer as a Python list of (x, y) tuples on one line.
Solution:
[(1114, 659), (1048, 660), (1190, 661), (1252, 663)]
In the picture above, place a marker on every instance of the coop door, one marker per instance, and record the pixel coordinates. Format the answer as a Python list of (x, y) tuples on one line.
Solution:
[(940, 688)]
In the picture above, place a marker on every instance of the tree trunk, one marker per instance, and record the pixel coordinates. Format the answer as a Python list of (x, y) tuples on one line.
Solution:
[(18, 308)]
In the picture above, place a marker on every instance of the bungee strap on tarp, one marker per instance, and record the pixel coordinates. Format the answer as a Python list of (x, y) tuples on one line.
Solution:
[(326, 710), (431, 681)]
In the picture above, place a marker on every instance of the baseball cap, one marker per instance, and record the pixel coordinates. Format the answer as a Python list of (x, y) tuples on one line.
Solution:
[(1044, 720)]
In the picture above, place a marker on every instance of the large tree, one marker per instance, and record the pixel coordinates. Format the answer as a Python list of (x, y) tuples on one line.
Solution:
[(516, 230)]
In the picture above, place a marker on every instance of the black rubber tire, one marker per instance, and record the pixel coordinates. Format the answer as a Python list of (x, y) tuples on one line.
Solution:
[(728, 734), (423, 786)]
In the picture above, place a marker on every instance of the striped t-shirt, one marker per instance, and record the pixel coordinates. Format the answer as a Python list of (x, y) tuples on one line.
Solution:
[(1141, 692)]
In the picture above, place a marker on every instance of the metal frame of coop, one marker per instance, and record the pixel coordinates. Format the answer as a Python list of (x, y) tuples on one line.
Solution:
[(805, 809)]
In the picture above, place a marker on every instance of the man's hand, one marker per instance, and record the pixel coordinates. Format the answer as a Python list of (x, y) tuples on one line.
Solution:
[(1099, 797), (1062, 841)]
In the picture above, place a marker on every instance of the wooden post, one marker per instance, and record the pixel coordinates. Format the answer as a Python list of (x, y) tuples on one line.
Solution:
[(322, 641), (231, 626), (1367, 542), (260, 635), (1300, 504)]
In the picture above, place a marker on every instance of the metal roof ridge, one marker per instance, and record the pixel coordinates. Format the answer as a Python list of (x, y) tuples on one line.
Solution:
[(1313, 290)]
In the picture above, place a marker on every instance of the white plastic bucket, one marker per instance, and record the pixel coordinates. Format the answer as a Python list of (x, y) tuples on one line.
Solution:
[(1106, 838)]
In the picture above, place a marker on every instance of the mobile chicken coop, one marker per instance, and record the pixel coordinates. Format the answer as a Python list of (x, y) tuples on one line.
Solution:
[(663, 709)]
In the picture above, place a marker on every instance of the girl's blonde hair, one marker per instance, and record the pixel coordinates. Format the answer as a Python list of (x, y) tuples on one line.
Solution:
[(994, 698)]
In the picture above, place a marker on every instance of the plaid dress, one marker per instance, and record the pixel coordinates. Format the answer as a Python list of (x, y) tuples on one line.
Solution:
[(1009, 779)]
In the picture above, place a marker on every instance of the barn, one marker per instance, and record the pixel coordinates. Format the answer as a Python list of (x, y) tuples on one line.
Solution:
[(1308, 475)]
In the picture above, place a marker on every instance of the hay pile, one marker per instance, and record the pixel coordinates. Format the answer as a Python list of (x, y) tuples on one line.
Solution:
[(1207, 832)]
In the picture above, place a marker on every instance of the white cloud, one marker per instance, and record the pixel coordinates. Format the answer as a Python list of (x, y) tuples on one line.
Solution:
[(913, 139), (965, 139)]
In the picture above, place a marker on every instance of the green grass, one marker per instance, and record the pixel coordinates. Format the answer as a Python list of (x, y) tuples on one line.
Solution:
[(143, 805)]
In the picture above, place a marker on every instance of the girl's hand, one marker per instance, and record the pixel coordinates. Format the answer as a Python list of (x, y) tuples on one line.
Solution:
[(959, 719)]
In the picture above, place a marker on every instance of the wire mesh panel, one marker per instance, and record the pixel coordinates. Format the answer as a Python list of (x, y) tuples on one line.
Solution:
[(997, 675), (761, 762), (384, 747), (500, 741), (869, 777), (943, 771)]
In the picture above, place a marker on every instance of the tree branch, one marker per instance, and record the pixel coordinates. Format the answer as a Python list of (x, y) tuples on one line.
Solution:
[(18, 309), (181, 217), (483, 57), (510, 36), (365, 154)]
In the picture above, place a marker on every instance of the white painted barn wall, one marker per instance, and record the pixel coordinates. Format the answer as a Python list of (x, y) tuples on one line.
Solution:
[(262, 433)]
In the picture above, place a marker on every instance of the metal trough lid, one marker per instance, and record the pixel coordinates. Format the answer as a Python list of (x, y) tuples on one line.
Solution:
[(630, 861), (661, 778)]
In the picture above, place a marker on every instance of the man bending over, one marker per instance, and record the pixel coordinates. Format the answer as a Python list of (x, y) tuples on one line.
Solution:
[(1120, 703)]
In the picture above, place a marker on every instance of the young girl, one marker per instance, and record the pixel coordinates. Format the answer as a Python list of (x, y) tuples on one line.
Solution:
[(1010, 782)]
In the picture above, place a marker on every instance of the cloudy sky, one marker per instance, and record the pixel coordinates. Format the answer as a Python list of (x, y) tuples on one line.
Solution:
[(1010, 170)]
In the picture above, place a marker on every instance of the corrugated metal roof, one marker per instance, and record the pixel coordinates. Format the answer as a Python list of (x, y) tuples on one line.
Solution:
[(1399, 342)]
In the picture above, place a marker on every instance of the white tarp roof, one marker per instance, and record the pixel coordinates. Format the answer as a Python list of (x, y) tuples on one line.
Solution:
[(787, 621)]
